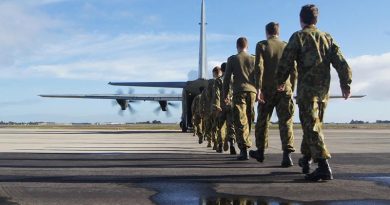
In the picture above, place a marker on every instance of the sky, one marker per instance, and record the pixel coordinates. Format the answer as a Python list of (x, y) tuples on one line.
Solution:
[(78, 46)]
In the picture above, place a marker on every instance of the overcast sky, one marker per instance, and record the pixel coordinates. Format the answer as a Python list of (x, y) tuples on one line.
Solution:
[(78, 46)]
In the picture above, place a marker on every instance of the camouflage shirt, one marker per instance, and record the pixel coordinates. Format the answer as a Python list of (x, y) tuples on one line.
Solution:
[(242, 68), (207, 94), (217, 100), (268, 54), (313, 51), (196, 106)]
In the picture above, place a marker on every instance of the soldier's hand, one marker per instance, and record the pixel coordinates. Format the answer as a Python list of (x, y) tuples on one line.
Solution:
[(227, 101), (346, 93), (260, 97), (281, 88)]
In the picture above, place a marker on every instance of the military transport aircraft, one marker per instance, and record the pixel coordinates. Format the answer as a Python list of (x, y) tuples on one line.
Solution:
[(190, 88)]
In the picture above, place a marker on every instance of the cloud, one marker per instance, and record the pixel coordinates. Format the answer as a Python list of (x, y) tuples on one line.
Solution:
[(22, 29), (371, 76)]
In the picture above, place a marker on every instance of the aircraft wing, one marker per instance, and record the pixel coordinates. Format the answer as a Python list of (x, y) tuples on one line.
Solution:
[(144, 97), (352, 96), (151, 84)]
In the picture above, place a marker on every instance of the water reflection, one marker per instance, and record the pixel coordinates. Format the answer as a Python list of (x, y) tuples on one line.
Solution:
[(242, 201)]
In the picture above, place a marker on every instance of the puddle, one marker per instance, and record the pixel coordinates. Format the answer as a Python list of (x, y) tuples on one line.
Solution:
[(384, 180), (172, 193)]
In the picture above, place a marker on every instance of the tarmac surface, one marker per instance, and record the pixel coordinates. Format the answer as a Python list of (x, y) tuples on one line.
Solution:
[(40, 166)]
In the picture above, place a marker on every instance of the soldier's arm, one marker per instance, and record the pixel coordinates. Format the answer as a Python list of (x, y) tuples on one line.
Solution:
[(226, 79), (340, 64), (293, 76), (287, 62), (259, 66), (217, 94)]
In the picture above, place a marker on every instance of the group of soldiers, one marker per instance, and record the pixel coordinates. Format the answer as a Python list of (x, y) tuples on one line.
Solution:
[(212, 116), (224, 111)]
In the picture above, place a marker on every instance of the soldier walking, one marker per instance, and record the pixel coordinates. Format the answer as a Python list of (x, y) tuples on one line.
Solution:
[(314, 51), (242, 67), (268, 54)]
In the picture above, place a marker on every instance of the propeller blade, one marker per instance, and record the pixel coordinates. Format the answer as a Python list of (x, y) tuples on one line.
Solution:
[(157, 111), (168, 113), (121, 113), (175, 105), (131, 109)]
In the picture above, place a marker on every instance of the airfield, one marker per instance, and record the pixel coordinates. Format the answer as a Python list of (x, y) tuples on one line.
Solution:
[(130, 165)]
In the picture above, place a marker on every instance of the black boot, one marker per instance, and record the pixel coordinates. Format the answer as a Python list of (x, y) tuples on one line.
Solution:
[(287, 161), (215, 146), (323, 172), (243, 155), (305, 162), (258, 155), (232, 148), (219, 149)]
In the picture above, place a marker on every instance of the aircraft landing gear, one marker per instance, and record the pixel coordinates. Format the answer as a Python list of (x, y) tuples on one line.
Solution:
[(184, 128)]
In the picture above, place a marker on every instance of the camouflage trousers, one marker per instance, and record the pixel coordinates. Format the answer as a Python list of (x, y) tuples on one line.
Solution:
[(229, 117), (220, 125), (311, 114), (197, 124), (243, 111), (209, 130), (285, 110)]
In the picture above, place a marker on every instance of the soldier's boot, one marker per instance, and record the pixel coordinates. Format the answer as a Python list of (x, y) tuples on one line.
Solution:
[(243, 155), (225, 146), (323, 172), (215, 146), (231, 147), (209, 144), (219, 148), (200, 141), (258, 155), (287, 161), (305, 162)]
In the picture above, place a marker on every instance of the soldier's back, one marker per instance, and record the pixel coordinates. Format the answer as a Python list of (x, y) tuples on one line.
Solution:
[(242, 67)]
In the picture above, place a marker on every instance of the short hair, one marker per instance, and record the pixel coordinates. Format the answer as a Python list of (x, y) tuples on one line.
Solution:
[(309, 14), (216, 69), (272, 28), (242, 42), (223, 66)]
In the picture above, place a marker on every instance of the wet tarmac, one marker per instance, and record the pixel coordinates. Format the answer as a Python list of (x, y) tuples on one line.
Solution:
[(145, 168), (171, 193)]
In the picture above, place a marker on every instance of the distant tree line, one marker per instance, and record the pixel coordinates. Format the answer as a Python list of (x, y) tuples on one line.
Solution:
[(383, 121)]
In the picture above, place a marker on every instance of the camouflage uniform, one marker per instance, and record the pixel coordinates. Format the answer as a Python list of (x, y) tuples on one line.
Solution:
[(268, 54), (229, 117), (314, 51), (241, 66), (197, 116), (207, 112), (219, 112)]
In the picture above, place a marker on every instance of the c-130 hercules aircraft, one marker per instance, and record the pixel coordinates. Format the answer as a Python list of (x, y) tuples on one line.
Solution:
[(190, 88)]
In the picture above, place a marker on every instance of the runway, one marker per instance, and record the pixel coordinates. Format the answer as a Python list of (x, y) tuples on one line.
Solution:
[(41, 166)]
